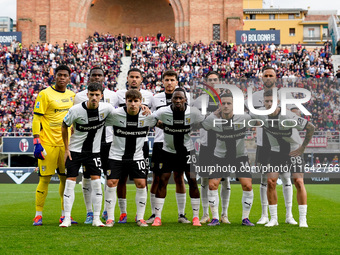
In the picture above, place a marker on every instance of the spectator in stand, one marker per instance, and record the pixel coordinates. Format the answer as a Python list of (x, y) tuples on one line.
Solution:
[(33, 68)]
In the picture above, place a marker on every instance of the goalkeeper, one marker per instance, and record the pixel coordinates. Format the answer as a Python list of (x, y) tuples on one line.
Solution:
[(50, 108)]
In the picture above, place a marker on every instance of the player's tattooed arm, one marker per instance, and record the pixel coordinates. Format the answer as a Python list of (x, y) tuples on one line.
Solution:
[(309, 134)]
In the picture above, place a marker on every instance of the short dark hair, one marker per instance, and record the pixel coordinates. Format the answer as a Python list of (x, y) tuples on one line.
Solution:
[(63, 67), (170, 73), (134, 69), (268, 68), (268, 93), (96, 68), (227, 94), (133, 94), (94, 86), (180, 90), (211, 73)]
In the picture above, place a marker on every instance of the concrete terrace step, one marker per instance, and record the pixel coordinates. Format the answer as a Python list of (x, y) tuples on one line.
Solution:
[(126, 62)]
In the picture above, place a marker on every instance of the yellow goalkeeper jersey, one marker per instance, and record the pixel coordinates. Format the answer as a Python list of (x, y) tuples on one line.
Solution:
[(52, 105)]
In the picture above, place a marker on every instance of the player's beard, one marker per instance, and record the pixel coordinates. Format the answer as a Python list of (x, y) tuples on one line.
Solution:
[(269, 84)]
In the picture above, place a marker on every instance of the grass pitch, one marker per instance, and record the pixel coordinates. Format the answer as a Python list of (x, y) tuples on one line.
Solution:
[(18, 236)]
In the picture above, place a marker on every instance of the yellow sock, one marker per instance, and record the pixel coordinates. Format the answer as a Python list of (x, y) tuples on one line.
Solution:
[(62, 179), (41, 192)]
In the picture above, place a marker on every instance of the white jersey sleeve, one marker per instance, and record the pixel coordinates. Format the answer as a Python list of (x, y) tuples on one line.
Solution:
[(71, 116), (81, 97)]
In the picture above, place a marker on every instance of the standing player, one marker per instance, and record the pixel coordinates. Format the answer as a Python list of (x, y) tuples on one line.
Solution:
[(177, 119), (286, 150), (50, 108), (126, 155), (206, 154), (263, 150), (230, 151), (134, 80), (97, 75), (88, 119), (170, 82)]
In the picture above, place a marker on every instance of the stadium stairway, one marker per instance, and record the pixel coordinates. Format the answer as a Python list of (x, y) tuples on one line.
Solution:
[(126, 62)]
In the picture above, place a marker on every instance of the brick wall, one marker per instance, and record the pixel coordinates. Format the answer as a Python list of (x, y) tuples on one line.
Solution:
[(189, 20)]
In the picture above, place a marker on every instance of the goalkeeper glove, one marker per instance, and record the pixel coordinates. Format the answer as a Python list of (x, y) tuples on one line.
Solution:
[(39, 151)]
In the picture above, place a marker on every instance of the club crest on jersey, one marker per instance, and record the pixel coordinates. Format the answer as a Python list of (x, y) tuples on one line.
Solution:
[(71, 99), (65, 170), (143, 99), (141, 123), (43, 168), (107, 100), (102, 116), (187, 121), (160, 165), (108, 172)]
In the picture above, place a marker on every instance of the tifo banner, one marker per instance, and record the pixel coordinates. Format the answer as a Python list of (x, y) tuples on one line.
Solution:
[(318, 142), (258, 36), (17, 145), (7, 37)]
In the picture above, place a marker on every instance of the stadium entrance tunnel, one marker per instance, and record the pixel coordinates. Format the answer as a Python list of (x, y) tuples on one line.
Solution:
[(131, 17)]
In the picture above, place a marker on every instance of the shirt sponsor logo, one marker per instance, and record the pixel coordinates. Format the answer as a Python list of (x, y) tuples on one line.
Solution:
[(61, 110), (131, 123), (94, 118), (178, 121)]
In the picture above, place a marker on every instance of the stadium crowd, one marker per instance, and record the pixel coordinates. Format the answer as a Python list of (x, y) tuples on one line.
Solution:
[(26, 71)]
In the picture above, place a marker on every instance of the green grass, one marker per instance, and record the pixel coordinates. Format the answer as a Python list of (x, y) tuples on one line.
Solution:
[(18, 236)]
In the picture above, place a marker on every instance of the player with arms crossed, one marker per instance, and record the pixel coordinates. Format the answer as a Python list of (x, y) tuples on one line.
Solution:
[(177, 119), (230, 151), (126, 156), (263, 150), (170, 82), (206, 154), (50, 108), (88, 119), (134, 80), (286, 150), (97, 75)]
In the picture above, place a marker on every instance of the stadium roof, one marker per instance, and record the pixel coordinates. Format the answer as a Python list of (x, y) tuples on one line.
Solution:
[(274, 11)]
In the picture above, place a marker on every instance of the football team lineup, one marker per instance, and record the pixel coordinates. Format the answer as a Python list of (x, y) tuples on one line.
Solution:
[(111, 137)]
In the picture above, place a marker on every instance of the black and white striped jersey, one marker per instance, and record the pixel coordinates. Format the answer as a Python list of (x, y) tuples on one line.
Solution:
[(129, 134), (88, 126), (206, 101), (230, 136), (110, 97), (147, 97), (282, 136), (161, 100), (177, 127), (258, 102)]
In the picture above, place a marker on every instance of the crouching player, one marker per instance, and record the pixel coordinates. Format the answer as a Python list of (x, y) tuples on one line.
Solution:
[(126, 157), (230, 152), (88, 119), (286, 154)]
